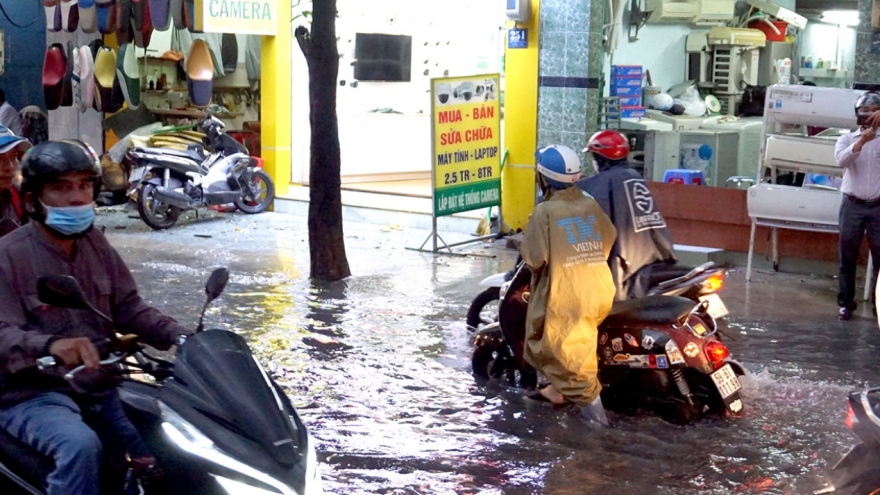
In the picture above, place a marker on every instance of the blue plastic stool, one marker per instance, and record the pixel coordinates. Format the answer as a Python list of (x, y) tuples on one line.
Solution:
[(684, 176)]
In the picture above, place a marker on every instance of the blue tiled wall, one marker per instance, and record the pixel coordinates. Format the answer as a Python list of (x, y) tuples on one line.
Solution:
[(566, 58)]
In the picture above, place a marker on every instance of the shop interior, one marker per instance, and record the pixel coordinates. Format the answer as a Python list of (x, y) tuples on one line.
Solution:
[(389, 52), (114, 67), (701, 116)]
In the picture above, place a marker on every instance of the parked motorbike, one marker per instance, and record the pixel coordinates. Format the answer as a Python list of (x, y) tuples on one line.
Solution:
[(858, 473), (697, 284), (214, 420), (657, 352), (169, 181)]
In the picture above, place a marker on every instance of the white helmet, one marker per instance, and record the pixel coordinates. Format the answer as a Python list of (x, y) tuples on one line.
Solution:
[(559, 164), (662, 101)]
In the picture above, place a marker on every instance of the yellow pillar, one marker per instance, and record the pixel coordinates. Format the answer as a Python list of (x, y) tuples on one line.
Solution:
[(275, 109), (521, 125)]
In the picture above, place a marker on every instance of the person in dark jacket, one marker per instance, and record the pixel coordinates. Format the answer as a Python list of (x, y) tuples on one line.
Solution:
[(643, 239), (12, 148), (60, 181)]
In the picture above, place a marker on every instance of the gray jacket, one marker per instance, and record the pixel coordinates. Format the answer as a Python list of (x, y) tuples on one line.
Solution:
[(26, 324)]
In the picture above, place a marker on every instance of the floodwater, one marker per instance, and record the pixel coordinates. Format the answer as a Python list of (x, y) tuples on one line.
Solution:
[(379, 369)]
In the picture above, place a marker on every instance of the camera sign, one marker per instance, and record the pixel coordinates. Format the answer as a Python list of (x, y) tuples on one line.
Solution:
[(466, 133)]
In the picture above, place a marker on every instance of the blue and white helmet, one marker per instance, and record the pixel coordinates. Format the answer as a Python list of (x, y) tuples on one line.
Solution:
[(559, 164)]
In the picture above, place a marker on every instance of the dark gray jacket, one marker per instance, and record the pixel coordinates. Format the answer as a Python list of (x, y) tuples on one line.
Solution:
[(26, 324), (642, 235)]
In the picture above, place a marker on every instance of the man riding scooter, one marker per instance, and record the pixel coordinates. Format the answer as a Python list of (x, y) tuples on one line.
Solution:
[(643, 240), (82, 432)]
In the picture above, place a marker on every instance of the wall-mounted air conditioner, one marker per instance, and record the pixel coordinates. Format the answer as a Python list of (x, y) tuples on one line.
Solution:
[(680, 11), (702, 12)]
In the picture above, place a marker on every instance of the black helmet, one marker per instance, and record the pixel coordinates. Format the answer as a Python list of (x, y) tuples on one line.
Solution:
[(867, 98), (48, 161)]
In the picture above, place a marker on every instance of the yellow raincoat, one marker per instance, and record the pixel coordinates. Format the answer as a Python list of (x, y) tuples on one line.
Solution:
[(566, 245)]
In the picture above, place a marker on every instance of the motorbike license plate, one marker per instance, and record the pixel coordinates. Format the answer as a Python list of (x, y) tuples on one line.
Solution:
[(717, 309), (137, 174), (726, 381)]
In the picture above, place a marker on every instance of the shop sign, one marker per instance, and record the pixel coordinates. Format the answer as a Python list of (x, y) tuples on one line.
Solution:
[(518, 38), (466, 132), (236, 16)]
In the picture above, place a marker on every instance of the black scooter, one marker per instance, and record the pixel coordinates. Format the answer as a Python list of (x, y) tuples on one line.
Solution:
[(700, 283), (656, 352), (216, 422), (858, 473)]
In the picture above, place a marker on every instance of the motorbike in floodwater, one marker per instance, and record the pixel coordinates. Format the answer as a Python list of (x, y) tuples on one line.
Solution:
[(214, 419), (858, 472), (701, 283), (658, 352), (170, 181)]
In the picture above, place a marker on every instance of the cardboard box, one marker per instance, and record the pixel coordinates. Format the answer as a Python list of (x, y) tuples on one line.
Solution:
[(626, 81), (630, 101), (626, 70), (625, 91), (632, 112)]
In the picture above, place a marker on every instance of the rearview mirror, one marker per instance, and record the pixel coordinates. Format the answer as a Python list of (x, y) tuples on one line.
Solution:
[(63, 291), (216, 283), (213, 288)]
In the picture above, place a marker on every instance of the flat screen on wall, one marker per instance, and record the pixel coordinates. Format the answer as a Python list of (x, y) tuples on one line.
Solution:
[(382, 57)]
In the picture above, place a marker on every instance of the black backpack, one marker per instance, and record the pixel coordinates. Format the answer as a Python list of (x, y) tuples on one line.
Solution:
[(752, 103)]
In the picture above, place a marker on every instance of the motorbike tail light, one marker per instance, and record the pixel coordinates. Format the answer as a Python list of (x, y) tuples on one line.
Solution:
[(714, 283), (716, 351), (850, 416)]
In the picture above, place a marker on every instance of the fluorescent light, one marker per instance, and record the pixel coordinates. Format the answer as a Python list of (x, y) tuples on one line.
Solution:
[(847, 17)]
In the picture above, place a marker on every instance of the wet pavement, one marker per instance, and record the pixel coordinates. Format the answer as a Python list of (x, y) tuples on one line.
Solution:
[(379, 367)]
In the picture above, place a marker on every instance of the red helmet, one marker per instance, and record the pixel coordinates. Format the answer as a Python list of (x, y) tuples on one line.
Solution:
[(609, 144)]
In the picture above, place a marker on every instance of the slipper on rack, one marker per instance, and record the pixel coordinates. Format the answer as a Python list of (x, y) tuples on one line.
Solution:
[(53, 15), (69, 15), (106, 12), (128, 76), (86, 78), (88, 16), (105, 76), (199, 68), (143, 35), (54, 66), (176, 7), (160, 14), (67, 82)]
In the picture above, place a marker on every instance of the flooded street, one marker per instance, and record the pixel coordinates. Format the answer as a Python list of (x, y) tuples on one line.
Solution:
[(379, 368)]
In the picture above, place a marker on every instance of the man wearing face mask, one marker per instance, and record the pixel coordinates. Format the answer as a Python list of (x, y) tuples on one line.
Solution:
[(83, 433), (858, 154)]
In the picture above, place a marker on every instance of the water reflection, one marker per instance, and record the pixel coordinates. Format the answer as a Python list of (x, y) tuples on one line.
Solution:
[(379, 368)]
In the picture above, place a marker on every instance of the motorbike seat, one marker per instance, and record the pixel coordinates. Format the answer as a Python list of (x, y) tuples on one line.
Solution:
[(662, 273), (650, 310), (25, 462), (192, 154)]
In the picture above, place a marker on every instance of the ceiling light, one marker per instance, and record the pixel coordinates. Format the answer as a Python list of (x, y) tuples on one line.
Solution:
[(847, 17)]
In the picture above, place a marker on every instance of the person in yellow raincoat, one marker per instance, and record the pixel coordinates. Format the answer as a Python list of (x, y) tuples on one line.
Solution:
[(566, 245)]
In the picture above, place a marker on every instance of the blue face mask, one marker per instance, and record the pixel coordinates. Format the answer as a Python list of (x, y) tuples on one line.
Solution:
[(70, 220)]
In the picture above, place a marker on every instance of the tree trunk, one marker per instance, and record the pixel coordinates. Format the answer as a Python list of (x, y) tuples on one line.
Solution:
[(326, 239)]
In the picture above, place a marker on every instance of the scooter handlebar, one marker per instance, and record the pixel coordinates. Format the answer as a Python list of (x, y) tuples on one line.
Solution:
[(113, 359)]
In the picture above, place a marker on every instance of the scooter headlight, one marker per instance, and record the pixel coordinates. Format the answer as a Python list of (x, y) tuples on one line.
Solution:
[(190, 439)]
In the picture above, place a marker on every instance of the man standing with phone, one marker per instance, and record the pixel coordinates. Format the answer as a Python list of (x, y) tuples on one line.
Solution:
[(858, 154)]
